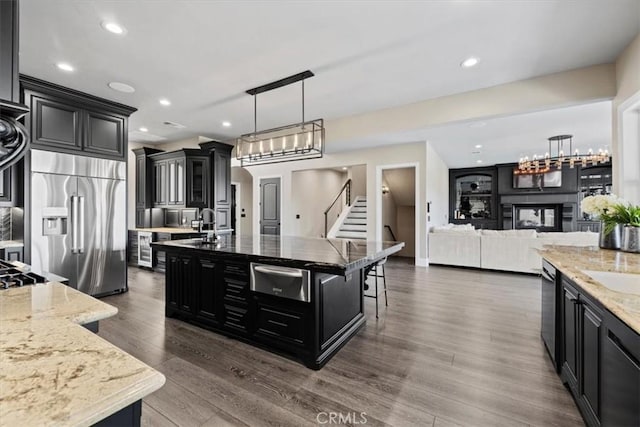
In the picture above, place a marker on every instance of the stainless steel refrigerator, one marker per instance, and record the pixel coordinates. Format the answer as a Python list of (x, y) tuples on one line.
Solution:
[(78, 220)]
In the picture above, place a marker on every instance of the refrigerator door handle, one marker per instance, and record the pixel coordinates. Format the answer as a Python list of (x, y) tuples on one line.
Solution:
[(81, 225), (74, 224)]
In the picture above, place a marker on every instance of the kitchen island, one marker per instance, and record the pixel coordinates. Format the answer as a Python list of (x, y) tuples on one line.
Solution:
[(297, 296), (54, 371), (591, 327)]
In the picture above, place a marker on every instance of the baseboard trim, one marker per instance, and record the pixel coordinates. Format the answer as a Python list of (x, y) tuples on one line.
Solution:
[(422, 262)]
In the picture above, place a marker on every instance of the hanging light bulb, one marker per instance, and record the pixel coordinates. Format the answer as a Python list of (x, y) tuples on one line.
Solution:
[(261, 148), (284, 144), (295, 142), (547, 160)]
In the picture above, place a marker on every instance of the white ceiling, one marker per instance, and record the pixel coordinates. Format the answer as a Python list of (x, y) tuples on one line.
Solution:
[(366, 55)]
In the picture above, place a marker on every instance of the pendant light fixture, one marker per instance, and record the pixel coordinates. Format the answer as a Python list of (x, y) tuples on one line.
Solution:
[(298, 141), (563, 154)]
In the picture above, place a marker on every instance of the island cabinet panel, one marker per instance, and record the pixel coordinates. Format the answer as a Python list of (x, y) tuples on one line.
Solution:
[(620, 374), (208, 305), (582, 332), (182, 278), (282, 323), (344, 304)]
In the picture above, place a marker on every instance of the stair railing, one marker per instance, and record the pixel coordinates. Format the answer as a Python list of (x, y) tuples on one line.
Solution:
[(346, 188), (393, 236)]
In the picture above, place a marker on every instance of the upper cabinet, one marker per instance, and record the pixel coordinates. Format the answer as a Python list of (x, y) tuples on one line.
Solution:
[(180, 179), (69, 121), (220, 193)]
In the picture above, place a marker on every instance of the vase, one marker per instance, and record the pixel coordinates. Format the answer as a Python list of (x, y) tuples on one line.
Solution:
[(631, 239), (611, 240)]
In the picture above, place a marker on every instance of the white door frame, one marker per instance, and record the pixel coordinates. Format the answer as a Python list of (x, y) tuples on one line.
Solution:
[(418, 202), (238, 198), (628, 134), (256, 201)]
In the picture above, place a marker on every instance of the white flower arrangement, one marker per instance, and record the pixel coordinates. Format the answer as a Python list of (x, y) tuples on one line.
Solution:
[(600, 204)]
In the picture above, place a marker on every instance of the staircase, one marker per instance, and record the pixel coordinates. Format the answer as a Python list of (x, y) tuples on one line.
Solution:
[(354, 223)]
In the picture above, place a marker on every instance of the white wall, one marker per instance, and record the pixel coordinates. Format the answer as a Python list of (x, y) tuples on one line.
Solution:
[(244, 179), (358, 175), (389, 155), (405, 229), (311, 193), (626, 124), (437, 188)]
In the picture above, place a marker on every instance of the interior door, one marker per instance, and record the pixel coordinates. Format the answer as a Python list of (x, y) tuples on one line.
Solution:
[(51, 225), (270, 206), (101, 262)]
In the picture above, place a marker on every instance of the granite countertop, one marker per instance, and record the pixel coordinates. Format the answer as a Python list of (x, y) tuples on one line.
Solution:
[(11, 244), (570, 260), (170, 230), (331, 255), (54, 371)]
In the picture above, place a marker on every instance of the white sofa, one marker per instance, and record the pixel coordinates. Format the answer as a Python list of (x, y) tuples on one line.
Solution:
[(506, 250)]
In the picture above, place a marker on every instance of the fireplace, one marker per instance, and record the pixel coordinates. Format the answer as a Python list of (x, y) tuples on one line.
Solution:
[(539, 217)]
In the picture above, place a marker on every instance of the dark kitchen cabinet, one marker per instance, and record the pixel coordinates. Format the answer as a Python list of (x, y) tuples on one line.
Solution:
[(143, 182), (620, 375), (159, 183), (276, 321), (10, 186), (197, 181), (68, 121), (582, 346), (181, 278), (180, 178), (208, 304), (12, 254), (220, 193)]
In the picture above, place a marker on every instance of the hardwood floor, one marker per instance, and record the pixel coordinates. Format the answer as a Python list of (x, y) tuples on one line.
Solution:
[(454, 347)]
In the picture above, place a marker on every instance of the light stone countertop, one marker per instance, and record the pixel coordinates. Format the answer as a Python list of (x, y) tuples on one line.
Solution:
[(170, 230), (53, 371), (11, 244), (570, 260)]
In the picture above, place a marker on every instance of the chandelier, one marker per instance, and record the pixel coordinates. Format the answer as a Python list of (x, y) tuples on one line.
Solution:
[(298, 141), (559, 157)]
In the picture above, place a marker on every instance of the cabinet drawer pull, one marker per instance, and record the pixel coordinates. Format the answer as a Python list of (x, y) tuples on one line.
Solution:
[(284, 325)]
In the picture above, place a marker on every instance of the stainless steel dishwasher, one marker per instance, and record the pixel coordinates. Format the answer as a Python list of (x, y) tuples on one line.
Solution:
[(283, 282)]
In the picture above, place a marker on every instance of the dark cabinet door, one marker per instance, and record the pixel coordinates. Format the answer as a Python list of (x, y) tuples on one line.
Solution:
[(275, 322), (197, 178), (141, 181), (160, 183), (5, 187), (104, 134), (180, 280), (222, 178), (140, 217), (569, 333), (590, 345), (55, 124), (208, 300), (175, 182), (12, 254), (620, 376)]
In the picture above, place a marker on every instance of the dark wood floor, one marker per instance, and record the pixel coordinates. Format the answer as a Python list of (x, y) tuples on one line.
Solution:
[(454, 347)]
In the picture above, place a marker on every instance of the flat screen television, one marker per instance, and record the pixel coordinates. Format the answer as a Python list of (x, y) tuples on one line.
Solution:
[(551, 179)]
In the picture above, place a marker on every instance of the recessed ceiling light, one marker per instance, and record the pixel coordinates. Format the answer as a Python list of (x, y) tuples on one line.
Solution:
[(112, 27), (478, 145), (64, 66), (470, 62), (344, 168), (143, 129), (226, 124), (478, 161), (165, 102), (122, 87)]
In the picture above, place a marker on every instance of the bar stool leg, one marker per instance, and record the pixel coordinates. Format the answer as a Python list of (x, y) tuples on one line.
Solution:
[(376, 273), (384, 281)]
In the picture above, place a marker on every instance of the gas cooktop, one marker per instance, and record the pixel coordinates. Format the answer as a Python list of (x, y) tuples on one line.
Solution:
[(11, 276)]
